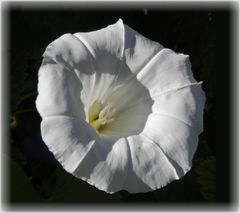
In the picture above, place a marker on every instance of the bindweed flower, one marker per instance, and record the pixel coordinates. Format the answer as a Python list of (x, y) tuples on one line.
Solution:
[(119, 110)]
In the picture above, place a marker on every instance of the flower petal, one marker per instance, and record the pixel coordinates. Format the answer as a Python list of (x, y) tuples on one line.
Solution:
[(150, 168), (106, 43), (106, 47), (139, 50), (165, 71), (58, 91), (130, 122), (177, 139), (185, 104), (102, 162), (129, 116), (106, 165), (94, 56), (68, 138), (69, 52)]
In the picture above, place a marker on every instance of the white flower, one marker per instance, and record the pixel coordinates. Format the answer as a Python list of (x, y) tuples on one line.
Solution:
[(119, 110)]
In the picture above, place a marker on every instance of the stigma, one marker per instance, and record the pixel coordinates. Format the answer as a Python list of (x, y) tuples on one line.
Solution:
[(99, 115)]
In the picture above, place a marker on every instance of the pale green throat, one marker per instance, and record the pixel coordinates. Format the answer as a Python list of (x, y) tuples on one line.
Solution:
[(100, 115)]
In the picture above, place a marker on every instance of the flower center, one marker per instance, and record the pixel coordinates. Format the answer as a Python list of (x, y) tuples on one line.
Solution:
[(100, 115)]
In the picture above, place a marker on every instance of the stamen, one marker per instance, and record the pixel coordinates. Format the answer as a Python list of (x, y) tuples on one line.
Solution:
[(99, 116), (94, 111)]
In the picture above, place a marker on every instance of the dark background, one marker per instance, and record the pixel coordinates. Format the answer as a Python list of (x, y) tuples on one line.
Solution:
[(205, 33)]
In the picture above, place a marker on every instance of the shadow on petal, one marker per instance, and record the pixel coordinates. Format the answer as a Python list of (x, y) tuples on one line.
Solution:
[(132, 104)]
